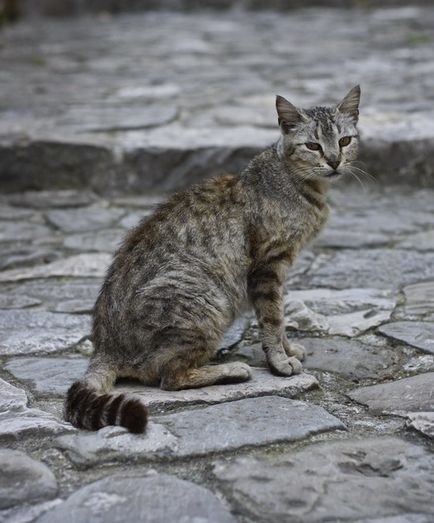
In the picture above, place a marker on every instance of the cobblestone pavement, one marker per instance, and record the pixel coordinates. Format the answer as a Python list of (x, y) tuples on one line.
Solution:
[(159, 100), (351, 439)]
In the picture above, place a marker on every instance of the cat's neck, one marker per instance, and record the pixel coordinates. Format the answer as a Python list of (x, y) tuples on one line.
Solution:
[(277, 177)]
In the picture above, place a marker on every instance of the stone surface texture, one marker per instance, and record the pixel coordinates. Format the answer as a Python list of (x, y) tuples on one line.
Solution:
[(100, 117), (152, 499), (86, 107), (337, 481)]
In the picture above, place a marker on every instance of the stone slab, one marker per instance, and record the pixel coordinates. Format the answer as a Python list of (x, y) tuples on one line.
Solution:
[(83, 219), (156, 498), (17, 420), (349, 358), (106, 240), (208, 117), (79, 266), (11, 230), (378, 268), (419, 299), (261, 383), (207, 430), (415, 394), (29, 331), (48, 375), (423, 422), (415, 333), (248, 422), (24, 479), (334, 481)]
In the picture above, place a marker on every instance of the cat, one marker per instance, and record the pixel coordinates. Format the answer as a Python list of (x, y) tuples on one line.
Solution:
[(183, 275)]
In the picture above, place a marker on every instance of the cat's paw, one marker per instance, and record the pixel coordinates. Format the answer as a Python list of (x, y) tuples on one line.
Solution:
[(281, 365), (238, 371), (294, 349)]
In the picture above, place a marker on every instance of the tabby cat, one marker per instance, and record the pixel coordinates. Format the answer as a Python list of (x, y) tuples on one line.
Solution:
[(183, 275)]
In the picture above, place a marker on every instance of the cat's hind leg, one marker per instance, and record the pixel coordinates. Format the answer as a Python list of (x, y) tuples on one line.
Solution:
[(179, 377)]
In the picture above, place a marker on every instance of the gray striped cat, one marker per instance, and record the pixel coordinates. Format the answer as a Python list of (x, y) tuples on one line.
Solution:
[(184, 274)]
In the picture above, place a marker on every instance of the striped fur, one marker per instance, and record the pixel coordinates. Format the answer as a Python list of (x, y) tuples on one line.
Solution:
[(184, 274)]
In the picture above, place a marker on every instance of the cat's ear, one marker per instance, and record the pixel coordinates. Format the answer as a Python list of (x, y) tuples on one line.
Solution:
[(350, 104), (288, 115)]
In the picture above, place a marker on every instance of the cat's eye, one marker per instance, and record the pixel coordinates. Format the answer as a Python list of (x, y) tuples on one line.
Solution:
[(312, 146), (346, 140)]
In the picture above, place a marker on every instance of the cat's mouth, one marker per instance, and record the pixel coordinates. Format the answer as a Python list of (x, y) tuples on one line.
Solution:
[(333, 174)]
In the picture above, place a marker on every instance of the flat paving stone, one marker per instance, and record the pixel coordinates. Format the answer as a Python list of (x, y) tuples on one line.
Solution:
[(17, 302), (346, 312), (83, 219), (17, 420), (261, 383), (423, 422), (59, 199), (349, 358), (54, 291), (347, 239), (30, 331), (415, 394), (416, 333), (156, 498), (24, 479), (419, 299), (379, 268), (13, 230), (80, 266), (216, 428), (334, 481), (106, 240), (48, 375), (421, 241)]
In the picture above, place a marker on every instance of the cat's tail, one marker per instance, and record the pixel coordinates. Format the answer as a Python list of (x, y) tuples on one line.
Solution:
[(89, 406)]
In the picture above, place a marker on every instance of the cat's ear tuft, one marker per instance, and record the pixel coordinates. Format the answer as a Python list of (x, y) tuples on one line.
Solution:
[(350, 104), (288, 114)]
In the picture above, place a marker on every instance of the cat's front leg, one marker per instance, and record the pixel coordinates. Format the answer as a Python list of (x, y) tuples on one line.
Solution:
[(265, 289), (294, 349)]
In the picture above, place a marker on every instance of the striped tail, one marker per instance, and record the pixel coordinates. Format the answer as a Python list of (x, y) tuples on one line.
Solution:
[(86, 408)]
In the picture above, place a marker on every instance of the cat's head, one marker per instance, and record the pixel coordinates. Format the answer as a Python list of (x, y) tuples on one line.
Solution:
[(322, 141)]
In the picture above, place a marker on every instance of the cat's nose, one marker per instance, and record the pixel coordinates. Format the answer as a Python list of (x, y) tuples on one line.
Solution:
[(334, 164)]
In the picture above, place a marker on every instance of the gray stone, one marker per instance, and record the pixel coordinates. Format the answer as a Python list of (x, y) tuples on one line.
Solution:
[(417, 334), (106, 240), (248, 422), (402, 518), (419, 299), (333, 481), (29, 331), (17, 302), (421, 241), (20, 254), (113, 443), (79, 266), (13, 230), (26, 513), (156, 498), (216, 428), (413, 394), (23, 479), (145, 202), (15, 213), (347, 239), (132, 219), (380, 268), (51, 198), (54, 291), (235, 332), (347, 312), (48, 375), (108, 119), (83, 220), (74, 307), (423, 422), (262, 382), (17, 420), (350, 358)]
